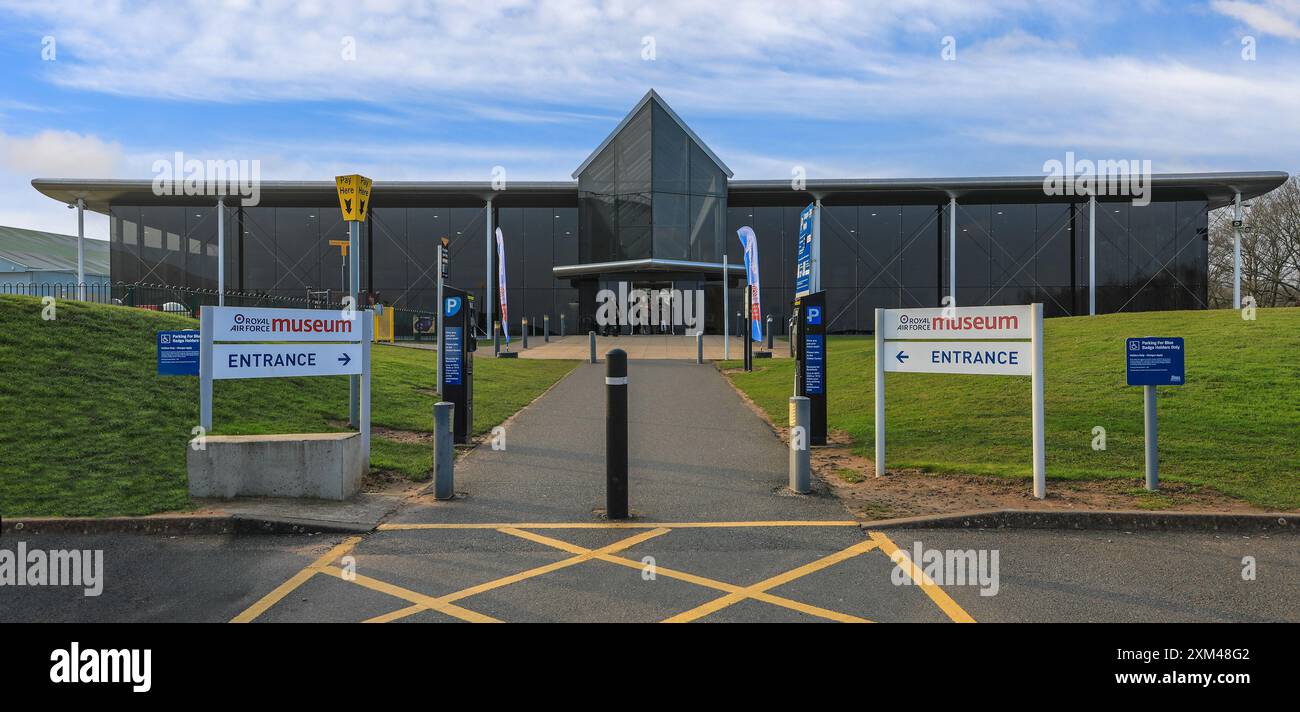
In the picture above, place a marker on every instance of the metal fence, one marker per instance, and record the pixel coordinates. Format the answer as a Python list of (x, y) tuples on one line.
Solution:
[(189, 300)]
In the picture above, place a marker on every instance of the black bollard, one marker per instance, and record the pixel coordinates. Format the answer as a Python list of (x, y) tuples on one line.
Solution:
[(616, 434)]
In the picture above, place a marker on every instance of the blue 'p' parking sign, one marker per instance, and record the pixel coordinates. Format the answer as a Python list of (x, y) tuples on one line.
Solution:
[(1155, 361)]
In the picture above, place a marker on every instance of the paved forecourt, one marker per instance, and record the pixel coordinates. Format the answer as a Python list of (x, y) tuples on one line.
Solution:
[(714, 535), (639, 347)]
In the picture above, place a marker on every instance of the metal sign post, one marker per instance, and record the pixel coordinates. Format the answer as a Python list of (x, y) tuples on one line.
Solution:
[(354, 200), (971, 341), (1151, 362)]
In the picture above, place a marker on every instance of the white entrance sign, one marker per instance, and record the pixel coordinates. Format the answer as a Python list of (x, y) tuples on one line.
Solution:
[(963, 340), (255, 342), (983, 358), (284, 360), (959, 323)]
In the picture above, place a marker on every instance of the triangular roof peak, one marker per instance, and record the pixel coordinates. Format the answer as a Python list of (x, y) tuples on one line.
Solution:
[(650, 96)]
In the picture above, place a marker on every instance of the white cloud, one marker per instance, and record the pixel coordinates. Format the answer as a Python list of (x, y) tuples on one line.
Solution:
[(60, 154), (551, 51), (52, 154), (1021, 96), (1279, 18)]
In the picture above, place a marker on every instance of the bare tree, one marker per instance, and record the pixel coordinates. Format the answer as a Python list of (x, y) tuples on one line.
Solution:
[(1270, 250)]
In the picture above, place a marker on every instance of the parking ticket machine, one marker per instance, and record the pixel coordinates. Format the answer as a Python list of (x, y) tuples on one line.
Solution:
[(458, 346)]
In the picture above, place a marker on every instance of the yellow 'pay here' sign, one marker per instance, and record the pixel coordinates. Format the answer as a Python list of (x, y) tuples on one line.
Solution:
[(354, 196)]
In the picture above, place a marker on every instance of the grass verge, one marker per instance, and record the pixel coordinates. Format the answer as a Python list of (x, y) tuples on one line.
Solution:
[(87, 428), (1235, 426)]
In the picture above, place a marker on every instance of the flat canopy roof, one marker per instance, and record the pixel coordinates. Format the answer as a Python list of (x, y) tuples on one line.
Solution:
[(1218, 188)]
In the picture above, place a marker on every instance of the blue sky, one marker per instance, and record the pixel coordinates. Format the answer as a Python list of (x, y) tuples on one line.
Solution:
[(450, 90)]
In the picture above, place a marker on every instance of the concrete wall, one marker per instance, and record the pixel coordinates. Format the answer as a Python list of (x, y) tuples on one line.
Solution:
[(312, 465)]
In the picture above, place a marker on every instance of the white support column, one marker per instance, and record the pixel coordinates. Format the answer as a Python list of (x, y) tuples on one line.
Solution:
[(1092, 255), (206, 325), (726, 313), (81, 249), (1036, 408), (880, 392), (815, 281), (489, 281), (952, 250), (1236, 255), (221, 252)]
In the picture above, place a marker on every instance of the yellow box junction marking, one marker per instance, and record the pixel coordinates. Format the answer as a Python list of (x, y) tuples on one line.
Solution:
[(354, 196), (692, 578), (914, 572), (735, 597), (296, 580), (584, 555), (733, 594)]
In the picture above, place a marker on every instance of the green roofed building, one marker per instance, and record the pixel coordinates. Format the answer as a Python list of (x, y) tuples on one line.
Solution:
[(35, 257)]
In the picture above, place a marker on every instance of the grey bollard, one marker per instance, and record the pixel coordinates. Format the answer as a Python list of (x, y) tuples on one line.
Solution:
[(561, 325), (699, 347), (591, 336), (444, 451), (800, 454), (769, 332), (546, 328), (525, 332)]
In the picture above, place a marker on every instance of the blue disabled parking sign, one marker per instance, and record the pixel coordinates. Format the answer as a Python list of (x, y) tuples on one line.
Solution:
[(1155, 361), (178, 353)]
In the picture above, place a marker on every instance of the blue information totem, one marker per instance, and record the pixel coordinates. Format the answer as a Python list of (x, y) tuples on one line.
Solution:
[(810, 361), (458, 344)]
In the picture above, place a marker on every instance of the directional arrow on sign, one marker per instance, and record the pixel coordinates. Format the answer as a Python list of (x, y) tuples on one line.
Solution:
[(345, 359), (901, 356)]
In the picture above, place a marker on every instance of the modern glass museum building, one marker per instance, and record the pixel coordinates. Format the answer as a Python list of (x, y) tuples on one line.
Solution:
[(655, 208)]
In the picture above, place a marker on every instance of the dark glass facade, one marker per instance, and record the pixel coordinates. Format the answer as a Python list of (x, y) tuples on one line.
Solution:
[(285, 252), (653, 191)]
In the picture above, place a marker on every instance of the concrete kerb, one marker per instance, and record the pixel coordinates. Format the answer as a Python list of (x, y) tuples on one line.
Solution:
[(201, 524), (1137, 520)]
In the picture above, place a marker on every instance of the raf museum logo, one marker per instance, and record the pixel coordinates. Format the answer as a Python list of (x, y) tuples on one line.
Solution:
[(923, 324)]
